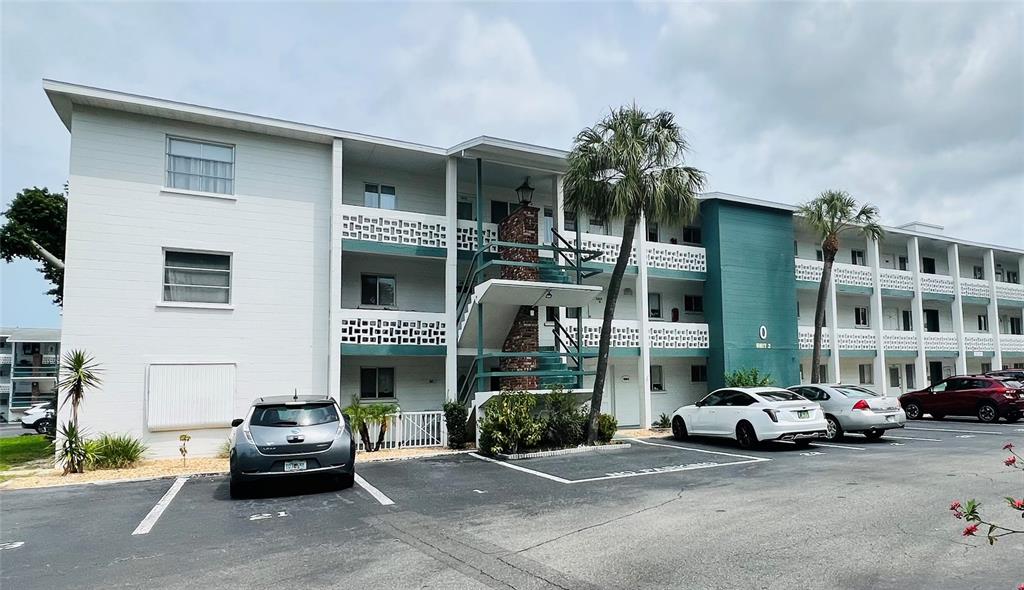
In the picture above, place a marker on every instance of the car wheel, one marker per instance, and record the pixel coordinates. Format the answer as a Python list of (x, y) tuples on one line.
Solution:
[(745, 435), (236, 488), (1012, 419), (345, 481), (913, 410), (43, 426), (988, 413), (678, 428), (874, 434), (833, 430)]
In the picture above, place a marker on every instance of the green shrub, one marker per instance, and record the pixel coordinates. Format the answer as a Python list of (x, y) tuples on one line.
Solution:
[(748, 378), (73, 451), (663, 421), (116, 451), (564, 422), (606, 427), (455, 418), (224, 450), (509, 424)]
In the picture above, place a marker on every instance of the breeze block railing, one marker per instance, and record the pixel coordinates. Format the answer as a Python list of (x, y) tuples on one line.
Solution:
[(1011, 291), (608, 246), (389, 327), (466, 235), (975, 288), (940, 341), (625, 333), (941, 284), (856, 339), (678, 335), (676, 257), (805, 338), (979, 342), (410, 430), (387, 226), (899, 340), (901, 280)]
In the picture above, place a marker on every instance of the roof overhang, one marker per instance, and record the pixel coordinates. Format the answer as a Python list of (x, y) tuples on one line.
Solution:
[(514, 153)]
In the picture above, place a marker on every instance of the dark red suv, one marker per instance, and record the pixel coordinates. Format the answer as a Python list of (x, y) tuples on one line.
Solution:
[(985, 396)]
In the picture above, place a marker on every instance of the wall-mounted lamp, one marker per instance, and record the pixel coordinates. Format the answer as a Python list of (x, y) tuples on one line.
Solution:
[(525, 192), (548, 294)]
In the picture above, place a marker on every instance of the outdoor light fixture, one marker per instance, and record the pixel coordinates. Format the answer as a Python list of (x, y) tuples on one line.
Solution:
[(525, 192), (547, 294)]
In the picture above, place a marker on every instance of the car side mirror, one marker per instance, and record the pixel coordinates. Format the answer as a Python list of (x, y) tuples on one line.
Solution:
[(699, 404), (236, 422)]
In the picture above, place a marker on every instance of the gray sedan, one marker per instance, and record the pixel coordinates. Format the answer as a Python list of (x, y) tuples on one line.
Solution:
[(852, 408), (291, 436)]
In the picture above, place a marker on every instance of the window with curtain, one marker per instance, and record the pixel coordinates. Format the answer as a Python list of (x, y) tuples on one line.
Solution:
[(654, 305), (200, 166), (197, 277), (380, 196), (657, 381), (378, 290), (377, 383)]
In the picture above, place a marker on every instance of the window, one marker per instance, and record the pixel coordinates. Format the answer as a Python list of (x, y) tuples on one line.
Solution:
[(464, 210), (1012, 276), (652, 232), (860, 317), (931, 320), (1016, 326), (569, 222), (903, 263), (867, 374), (572, 313), (500, 210), (379, 196), (979, 272), (200, 166), (597, 226), (197, 277), (656, 380), (736, 399), (894, 376), (550, 314), (986, 367), (378, 290), (693, 303), (928, 265), (698, 373), (819, 255), (823, 373), (289, 415), (377, 383), (654, 305), (812, 393), (983, 323), (857, 257), (779, 395), (908, 323), (909, 368), (691, 235)]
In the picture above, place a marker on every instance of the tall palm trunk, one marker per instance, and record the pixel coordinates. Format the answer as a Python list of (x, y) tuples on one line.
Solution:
[(628, 230), (829, 256)]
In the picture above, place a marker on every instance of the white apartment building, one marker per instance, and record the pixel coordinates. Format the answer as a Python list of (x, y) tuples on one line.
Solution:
[(29, 361), (215, 256)]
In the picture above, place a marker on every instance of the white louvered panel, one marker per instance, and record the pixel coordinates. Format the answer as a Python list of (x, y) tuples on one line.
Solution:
[(187, 396)]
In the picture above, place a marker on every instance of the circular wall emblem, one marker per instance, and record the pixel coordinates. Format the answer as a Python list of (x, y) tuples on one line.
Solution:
[(762, 332)]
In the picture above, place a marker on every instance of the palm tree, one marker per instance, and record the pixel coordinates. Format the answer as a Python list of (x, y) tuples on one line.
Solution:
[(629, 166), (79, 373), (829, 215)]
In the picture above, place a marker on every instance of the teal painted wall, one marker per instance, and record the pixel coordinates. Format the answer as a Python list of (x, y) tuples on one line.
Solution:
[(750, 283)]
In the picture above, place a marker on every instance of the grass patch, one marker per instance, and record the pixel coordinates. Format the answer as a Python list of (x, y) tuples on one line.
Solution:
[(18, 450)]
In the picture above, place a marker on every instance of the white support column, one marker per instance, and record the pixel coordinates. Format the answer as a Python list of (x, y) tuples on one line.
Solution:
[(832, 321), (451, 280), (993, 309), (334, 320), (917, 311), (559, 191), (953, 254), (642, 289), (876, 319)]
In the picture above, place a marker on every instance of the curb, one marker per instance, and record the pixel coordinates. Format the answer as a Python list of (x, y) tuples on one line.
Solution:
[(559, 452)]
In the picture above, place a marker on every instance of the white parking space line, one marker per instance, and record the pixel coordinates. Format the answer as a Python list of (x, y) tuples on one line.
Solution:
[(377, 494), (835, 446), (671, 446), (914, 438), (154, 515), (523, 469), (992, 432)]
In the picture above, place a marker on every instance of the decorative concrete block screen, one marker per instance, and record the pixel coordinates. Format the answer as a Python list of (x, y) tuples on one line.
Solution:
[(852, 274), (856, 339), (902, 280), (465, 234), (974, 288), (393, 227), (1011, 343), (1010, 291), (940, 341), (806, 338), (899, 340), (184, 396), (678, 335), (808, 270), (937, 284), (393, 328), (676, 257), (608, 246), (979, 342), (625, 333)]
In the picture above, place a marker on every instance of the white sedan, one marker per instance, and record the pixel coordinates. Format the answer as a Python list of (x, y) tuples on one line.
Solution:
[(750, 415)]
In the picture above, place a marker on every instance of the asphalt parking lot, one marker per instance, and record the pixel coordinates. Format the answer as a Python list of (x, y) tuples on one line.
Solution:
[(661, 514)]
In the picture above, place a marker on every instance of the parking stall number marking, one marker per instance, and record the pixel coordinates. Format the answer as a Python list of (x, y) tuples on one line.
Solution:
[(12, 545), (965, 436), (895, 444), (266, 515), (811, 454)]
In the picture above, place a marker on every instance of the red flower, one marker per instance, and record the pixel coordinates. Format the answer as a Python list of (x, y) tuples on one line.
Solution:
[(1021, 587), (1007, 447), (970, 530), (955, 506), (1019, 504), (1010, 461)]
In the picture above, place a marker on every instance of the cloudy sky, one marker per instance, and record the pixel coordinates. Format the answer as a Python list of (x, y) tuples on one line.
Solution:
[(915, 106)]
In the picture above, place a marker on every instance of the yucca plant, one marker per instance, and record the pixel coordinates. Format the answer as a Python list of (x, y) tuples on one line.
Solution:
[(117, 451), (380, 414), (358, 419), (79, 373), (73, 451)]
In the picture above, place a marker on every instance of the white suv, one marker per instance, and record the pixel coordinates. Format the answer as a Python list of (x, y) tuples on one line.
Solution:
[(40, 417)]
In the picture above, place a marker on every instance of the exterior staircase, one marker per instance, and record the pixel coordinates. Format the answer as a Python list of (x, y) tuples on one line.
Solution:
[(553, 362), (549, 272)]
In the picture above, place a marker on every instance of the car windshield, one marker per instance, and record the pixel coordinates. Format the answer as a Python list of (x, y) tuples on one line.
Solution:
[(780, 395), (294, 415), (1013, 384), (852, 391)]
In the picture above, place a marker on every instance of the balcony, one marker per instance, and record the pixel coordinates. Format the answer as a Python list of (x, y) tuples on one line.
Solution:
[(975, 288), (625, 333), (899, 340), (805, 338), (5, 388), (667, 336), (856, 339), (5, 358), (1010, 291), (939, 284), (465, 234), (387, 329), (676, 258), (608, 246), (940, 342), (851, 275), (1011, 342), (394, 231), (979, 342), (45, 372), (896, 280)]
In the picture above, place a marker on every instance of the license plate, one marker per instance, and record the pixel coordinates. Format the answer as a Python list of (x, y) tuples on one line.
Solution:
[(294, 465), (802, 414), (890, 418)]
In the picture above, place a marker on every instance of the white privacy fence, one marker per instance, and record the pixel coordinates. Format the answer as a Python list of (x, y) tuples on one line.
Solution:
[(410, 430)]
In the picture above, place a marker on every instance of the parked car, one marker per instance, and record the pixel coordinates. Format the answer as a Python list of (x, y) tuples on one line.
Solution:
[(284, 436), (987, 397), (40, 417), (1015, 374), (750, 415), (852, 408)]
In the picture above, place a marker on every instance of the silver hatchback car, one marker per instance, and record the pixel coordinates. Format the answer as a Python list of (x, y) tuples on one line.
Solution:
[(289, 436), (852, 408)]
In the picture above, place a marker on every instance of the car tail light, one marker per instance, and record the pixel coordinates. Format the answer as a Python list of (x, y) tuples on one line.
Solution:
[(772, 415), (861, 405), (248, 436)]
